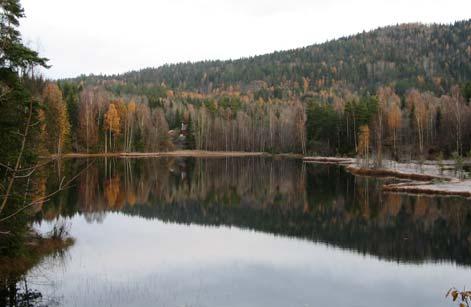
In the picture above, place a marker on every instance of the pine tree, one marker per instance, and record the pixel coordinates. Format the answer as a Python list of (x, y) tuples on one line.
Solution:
[(13, 54), (190, 138), (18, 113), (178, 120)]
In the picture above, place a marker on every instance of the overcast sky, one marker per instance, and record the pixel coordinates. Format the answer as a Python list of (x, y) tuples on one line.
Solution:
[(114, 36)]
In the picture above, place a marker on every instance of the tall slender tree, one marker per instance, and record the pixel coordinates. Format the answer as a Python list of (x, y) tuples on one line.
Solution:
[(56, 118)]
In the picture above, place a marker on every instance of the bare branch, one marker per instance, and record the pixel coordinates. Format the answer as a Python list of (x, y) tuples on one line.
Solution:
[(18, 159), (38, 165), (35, 124), (62, 187), (6, 166), (28, 168), (26, 175)]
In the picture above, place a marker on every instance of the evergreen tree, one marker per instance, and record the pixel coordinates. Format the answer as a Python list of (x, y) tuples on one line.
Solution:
[(178, 120), (190, 138), (467, 92), (14, 55), (19, 107)]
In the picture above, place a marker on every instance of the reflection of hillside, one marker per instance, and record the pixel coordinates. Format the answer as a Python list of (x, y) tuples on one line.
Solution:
[(281, 197)]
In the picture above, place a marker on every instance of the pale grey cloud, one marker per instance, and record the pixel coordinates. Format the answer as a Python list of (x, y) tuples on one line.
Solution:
[(112, 36)]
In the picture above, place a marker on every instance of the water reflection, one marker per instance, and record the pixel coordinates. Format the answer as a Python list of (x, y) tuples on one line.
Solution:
[(24, 279), (278, 196)]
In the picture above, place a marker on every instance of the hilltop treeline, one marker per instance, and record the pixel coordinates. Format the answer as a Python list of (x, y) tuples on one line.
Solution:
[(427, 57)]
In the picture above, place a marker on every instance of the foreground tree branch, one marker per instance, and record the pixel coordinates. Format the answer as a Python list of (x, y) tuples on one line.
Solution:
[(18, 159), (62, 186)]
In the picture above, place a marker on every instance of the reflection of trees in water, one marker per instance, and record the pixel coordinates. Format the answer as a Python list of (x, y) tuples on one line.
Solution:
[(286, 197), (225, 181), (403, 228), (89, 192)]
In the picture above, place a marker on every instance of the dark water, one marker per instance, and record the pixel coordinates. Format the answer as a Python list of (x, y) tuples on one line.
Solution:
[(247, 232)]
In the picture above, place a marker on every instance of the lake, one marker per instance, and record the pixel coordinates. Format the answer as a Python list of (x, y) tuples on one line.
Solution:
[(246, 232)]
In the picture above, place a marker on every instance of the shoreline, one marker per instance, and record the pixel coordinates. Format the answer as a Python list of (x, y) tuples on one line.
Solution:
[(425, 179), (451, 188)]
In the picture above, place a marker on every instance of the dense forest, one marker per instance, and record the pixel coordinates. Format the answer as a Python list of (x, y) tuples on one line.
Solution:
[(400, 91)]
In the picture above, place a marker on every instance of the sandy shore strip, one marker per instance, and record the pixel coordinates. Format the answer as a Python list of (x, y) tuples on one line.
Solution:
[(329, 160)]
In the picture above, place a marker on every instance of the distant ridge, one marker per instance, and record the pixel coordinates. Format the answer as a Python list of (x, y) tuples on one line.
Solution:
[(429, 57)]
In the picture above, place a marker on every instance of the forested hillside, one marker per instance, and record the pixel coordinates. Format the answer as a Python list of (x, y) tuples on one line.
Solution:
[(403, 90), (427, 57)]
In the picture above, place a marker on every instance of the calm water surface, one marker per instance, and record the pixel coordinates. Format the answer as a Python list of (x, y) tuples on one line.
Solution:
[(247, 232)]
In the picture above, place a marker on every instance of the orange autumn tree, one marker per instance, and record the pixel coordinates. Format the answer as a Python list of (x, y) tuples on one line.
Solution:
[(112, 125), (56, 120)]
